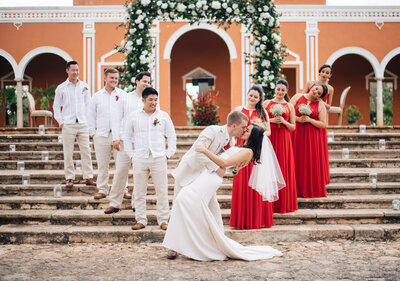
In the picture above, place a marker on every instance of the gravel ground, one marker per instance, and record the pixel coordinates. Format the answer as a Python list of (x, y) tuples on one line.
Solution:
[(320, 260)]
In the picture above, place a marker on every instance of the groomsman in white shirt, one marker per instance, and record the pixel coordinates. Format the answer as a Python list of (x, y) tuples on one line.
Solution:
[(73, 97), (126, 104), (148, 128), (103, 105)]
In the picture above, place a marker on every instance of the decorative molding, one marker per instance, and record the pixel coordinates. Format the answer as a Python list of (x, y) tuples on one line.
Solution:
[(17, 24), (186, 28), (298, 62), (89, 54), (117, 13), (19, 74), (312, 32), (104, 63), (387, 59), (358, 51), (11, 60), (379, 24)]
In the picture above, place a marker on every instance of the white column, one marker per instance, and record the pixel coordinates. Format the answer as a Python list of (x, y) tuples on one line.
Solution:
[(155, 71), (379, 102), (20, 112), (246, 68), (88, 54), (312, 32)]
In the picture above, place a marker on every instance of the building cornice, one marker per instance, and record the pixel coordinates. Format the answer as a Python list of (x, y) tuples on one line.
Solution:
[(289, 13)]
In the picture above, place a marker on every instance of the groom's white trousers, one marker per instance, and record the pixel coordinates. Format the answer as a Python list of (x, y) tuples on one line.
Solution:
[(157, 167)]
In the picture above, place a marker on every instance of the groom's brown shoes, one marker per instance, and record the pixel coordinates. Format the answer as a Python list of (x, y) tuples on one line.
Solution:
[(164, 226), (171, 255), (138, 226)]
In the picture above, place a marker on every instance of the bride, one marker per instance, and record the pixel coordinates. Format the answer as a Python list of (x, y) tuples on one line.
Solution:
[(195, 231)]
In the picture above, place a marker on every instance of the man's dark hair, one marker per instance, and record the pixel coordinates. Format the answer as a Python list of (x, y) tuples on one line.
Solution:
[(70, 63), (141, 74), (149, 91)]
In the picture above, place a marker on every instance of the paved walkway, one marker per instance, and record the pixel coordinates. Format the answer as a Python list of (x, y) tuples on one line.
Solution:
[(320, 260)]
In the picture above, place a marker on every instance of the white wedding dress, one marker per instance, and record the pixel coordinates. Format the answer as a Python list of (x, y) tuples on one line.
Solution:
[(196, 230)]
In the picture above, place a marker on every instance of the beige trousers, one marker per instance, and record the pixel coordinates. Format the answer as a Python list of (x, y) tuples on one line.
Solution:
[(157, 167), (80, 132), (123, 164)]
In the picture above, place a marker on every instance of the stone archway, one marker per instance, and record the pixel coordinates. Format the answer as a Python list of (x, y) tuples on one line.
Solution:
[(199, 48)]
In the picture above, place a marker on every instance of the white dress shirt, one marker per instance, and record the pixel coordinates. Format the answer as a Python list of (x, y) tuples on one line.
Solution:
[(127, 103), (103, 105), (74, 100), (148, 132)]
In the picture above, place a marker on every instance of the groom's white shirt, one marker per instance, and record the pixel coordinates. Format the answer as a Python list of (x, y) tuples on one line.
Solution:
[(193, 163)]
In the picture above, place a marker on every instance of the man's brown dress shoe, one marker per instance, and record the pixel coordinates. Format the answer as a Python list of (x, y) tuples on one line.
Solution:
[(164, 226), (70, 183), (127, 196), (100, 196), (172, 255), (90, 182), (138, 225), (111, 210)]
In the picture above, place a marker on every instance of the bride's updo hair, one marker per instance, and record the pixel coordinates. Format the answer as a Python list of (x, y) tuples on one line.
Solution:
[(255, 142)]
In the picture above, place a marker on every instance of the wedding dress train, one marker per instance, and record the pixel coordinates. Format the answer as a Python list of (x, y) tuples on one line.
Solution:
[(196, 230)]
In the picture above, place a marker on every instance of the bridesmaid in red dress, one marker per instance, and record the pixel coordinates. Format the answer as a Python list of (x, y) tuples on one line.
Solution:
[(248, 210), (307, 147), (324, 74), (281, 125)]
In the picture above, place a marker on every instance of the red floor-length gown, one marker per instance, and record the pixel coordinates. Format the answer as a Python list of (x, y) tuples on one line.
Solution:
[(281, 140), (325, 153), (308, 158), (248, 211)]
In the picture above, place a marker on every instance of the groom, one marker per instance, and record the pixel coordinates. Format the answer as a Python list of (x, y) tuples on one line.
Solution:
[(215, 138)]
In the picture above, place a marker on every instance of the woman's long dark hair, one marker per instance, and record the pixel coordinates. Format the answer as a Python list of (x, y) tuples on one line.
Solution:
[(259, 108), (255, 142), (324, 90)]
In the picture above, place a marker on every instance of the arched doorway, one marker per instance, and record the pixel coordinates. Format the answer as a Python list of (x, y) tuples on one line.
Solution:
[(393, 68), (351, 70), (6, 69), (46, 70), (205, 49)]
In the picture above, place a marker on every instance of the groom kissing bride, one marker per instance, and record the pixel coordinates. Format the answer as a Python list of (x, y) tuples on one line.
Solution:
[(195, 228)]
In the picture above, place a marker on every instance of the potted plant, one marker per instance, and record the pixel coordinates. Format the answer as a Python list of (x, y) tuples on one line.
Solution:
[(204, 110), (353, 114), (43, 97)]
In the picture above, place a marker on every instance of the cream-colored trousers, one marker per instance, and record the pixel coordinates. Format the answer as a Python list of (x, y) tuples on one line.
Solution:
[(80, 132), (157, 167), (122, 165)]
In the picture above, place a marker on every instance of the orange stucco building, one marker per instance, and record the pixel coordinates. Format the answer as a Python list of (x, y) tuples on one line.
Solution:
[(361, 43)]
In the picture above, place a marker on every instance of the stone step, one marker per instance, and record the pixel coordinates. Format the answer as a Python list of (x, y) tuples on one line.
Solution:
[(38, 234), (338, 175), (126, 217), (55, 130), (55, 146), (53, 138), (372, 137), (225, 189), (172, 163), (88, 203), (362, 145), (364, 153), (55, 155), (364, 163), (59, 164)]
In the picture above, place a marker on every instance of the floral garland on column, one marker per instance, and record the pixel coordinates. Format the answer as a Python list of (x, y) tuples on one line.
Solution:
[(259, 16)]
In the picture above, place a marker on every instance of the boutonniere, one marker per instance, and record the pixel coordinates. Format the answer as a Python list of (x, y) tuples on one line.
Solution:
[(155, 122), (116, 98), (84, 90)]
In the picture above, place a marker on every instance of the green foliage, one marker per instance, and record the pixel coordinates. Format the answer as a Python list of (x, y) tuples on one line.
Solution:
[(43, 97), (11, 106), (353, 114), (258, 16), (204, 110)]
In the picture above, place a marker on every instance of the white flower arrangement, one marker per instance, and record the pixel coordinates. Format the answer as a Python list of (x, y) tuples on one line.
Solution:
[(259, 17), (305, 110), (278, 110)]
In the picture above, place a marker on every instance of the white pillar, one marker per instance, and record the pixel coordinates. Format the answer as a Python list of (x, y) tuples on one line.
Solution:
[(379, 102), (88, 55), (312, 32), (20, 112)]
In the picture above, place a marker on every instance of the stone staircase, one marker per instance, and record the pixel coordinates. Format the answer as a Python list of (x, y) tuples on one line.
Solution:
[(354, 209)]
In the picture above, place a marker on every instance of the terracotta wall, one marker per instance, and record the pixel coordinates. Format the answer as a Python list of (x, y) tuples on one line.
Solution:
[(350, 70), (207, 50)]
